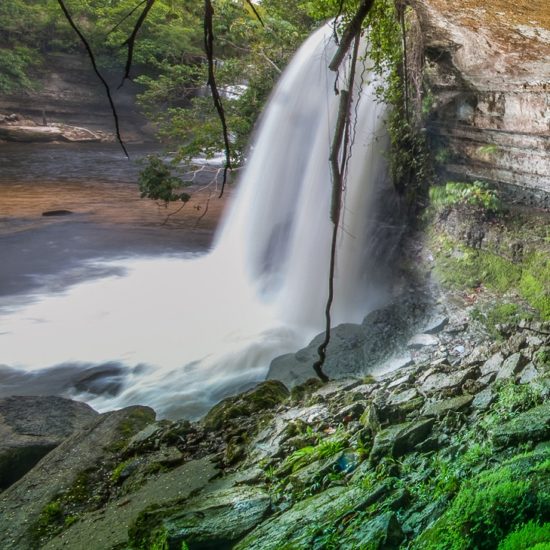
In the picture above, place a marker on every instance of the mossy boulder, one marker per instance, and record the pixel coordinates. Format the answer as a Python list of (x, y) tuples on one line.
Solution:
[(264, 396), (214, 520), (397, 440), (298, 527), (532, 425), (381, 533)]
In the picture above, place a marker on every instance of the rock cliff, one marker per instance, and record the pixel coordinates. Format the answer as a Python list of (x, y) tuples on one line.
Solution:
[(486, 80), (68, 92)]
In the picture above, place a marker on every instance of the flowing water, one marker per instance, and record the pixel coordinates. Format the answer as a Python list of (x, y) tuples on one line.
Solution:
[(180, 332)]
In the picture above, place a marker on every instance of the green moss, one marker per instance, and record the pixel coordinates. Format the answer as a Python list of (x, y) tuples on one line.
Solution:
[(461, 267), (528, 536), (306, 455), (264, 396), (134, 422), (491, 505), (115, 476), (534, 284)]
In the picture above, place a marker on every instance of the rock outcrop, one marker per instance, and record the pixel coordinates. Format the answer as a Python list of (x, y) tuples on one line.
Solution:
[(30, 427), (68, 92), (486, 78)]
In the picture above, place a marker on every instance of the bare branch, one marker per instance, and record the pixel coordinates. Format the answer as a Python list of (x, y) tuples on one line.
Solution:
[(126, 17), (351, 31), (209, 49), (253, 8), (132, 38), (96, 70)]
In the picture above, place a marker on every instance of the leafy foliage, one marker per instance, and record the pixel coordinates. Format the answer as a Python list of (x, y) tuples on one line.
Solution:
[(476, 194), (157, 182), (526, 537)]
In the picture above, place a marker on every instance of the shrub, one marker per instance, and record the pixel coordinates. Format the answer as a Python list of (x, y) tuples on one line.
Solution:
[(476, 194)]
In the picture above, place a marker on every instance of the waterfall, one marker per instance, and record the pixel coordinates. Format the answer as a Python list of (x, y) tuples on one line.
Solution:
[(179, 334)]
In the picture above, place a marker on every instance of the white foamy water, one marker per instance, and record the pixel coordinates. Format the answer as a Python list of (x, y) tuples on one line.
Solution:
[(178, 334)]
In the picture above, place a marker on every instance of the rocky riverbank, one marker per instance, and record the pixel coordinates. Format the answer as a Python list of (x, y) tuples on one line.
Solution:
[(450, 450), (14, 127)]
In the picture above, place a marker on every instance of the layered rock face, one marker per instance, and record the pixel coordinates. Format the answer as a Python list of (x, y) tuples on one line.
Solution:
[(69, 92), (487, 74)]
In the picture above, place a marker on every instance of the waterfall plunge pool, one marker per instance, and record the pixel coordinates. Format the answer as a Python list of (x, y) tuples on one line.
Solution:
[(179, 331)]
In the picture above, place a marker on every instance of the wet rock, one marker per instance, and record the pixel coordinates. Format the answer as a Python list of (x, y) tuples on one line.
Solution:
[(441, 408), (422, 340), (294, 527), (350, 412), (401, 381), (317, 470), (511, 366), (381, 533), (436, 324), (263, 397), (439, 381), (533, 425), (529, 374), (483, 399), (30, 427), (355, 349), (403, 397), (423, 516), (56, 213), (399, 439), (107, 528), (492, 364), (22, 503), (334, 387), (479, 355), (216, 520)]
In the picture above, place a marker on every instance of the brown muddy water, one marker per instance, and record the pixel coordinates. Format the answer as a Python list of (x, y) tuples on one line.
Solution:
[(108, 219)]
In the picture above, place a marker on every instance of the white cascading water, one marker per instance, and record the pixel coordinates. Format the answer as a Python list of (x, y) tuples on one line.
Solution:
[(187, 332)]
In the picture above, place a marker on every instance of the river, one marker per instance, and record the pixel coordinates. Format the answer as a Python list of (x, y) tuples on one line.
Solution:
[(52, 340), (97, 183)]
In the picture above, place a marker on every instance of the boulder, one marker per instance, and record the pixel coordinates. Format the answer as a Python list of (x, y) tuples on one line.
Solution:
[(355, 349), (263, 397), (533, 425), (422, 340), (492, 364), (293, 528), (441, 408), (381, 533), (211, 520), (30, 427), (397, 440), (23, 503), (511, 366), (439, 381), (107, 528)]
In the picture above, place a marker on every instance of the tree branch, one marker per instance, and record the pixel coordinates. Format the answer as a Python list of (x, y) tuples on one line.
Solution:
[(209, 49), (126, 17), (253, 8), (132, 38), (351, 31), (96, 70)]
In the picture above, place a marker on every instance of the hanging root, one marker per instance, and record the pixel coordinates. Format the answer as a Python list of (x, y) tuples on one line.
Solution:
[(209, 49), (338, 150)]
